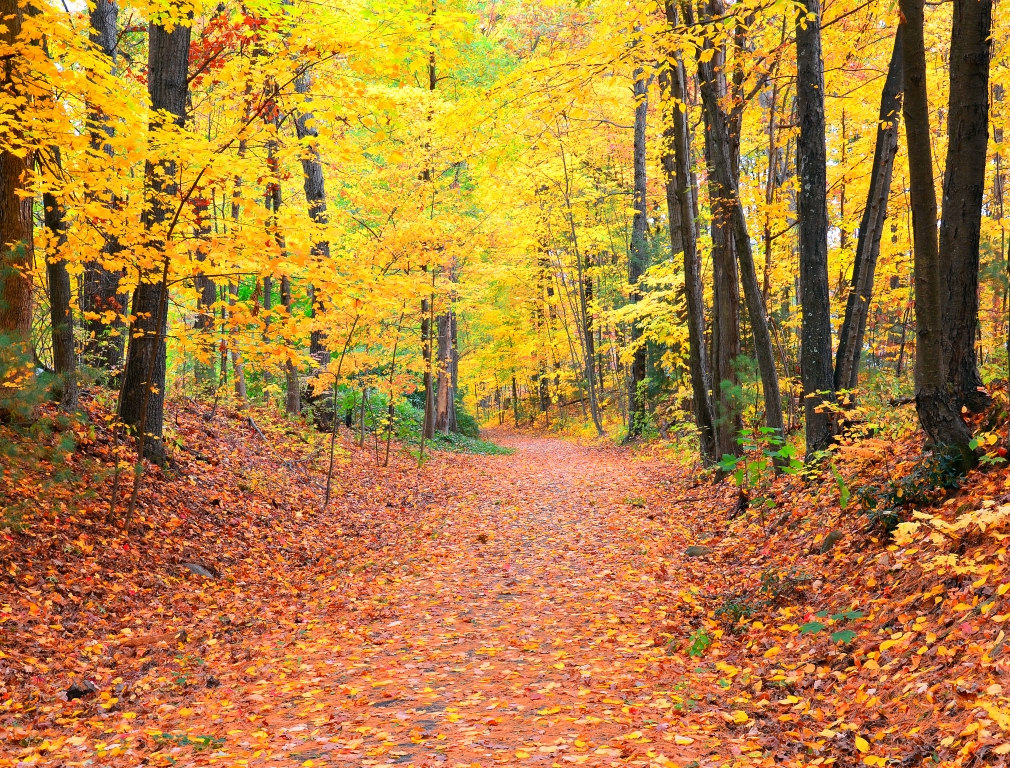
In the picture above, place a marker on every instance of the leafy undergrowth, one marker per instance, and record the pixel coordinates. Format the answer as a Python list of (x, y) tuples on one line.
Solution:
[(560, 605), (465, 444)]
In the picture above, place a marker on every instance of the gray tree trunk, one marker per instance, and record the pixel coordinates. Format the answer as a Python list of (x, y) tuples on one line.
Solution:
[(168, 66), (812, 212), (638, 257), (676, 159), (871, 227), (939, 420), (103, 345), (963, 188)]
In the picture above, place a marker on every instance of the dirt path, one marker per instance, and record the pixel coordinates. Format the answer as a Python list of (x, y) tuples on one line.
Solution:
[(512, 609)]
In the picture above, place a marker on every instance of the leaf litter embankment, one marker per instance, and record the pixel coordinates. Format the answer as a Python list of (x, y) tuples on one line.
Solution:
[(536, 608)]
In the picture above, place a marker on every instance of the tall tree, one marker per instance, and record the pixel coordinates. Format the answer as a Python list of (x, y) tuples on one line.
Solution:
[(676, 159), (638, 257), (315, 199), (963, 188), (100, 293), (871, 226), (722, 142), (142, 403), (812, 214), (940, 421), (16, 228), (206, 297), (60, 314)]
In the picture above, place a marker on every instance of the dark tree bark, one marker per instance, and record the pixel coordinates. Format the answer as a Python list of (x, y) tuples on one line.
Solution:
[(638, 256), (144, 376), (942, 423), (206, 297), (60, 313), (857, 308), (274, 201), (315, 198), (16, 227), (963, 188), (100, 294), (722, 143), (725, 327), (445, 399), (292, 399), (428, 425), (812, 212), (676, 158)]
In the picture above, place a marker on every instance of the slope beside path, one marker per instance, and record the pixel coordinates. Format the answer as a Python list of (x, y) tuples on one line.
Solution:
[(489, 609)]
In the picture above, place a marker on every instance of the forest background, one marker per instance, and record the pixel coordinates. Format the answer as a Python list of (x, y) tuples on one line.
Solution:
[(629, 218)]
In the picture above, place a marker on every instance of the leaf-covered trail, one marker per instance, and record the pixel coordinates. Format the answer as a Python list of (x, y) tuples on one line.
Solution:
[(511, 616)]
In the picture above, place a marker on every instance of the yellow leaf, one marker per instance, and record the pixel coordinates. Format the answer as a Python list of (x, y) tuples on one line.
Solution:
[(773, 651), (1001, 590), (862, 744), (682, 740), (521, 754), (549, 711), (739, 716)]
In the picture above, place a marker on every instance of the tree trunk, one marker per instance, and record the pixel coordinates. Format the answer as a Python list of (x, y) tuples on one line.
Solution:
[(515, 403), (104, 337), (857, 308), (206, 297), (61, 316), (292, 400), (676, 159), (144, 377), (941, 423), (638, 256), (963, 188), (315, 198), (428, 425), (445, 397), (16, 227), (728, 213), (812, 212), (725, 322), (274, 202), (236, 356)]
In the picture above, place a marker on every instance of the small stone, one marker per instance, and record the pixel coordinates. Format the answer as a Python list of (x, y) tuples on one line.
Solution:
[(697, 550), (198, 570), (830, 540), (81, 689)]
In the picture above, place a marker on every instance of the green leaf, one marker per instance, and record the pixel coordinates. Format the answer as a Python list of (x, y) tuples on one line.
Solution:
[(843, 636), (811, 627), (847, 615), (821, 614)]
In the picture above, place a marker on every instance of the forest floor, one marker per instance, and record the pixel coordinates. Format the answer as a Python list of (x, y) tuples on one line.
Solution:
[(565, 604)]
